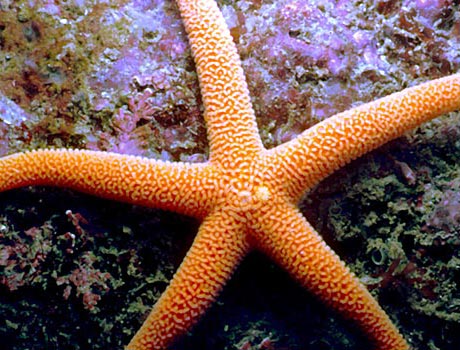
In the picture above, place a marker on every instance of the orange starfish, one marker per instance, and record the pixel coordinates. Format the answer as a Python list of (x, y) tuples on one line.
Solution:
[(245, 194)]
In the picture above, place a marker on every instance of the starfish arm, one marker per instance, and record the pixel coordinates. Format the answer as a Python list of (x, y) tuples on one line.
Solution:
[(142, 181), (325, 147), (284, 235), (232, 128), (217, 250)]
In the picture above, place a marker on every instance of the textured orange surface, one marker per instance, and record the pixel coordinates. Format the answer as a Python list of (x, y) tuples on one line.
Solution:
[(246, 195)]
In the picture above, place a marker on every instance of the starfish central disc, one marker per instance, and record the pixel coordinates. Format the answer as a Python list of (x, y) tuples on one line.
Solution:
[(245, 196), (257, 195)]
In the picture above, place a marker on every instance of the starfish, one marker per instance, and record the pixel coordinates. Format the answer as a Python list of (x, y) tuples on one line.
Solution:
[(245, 195)]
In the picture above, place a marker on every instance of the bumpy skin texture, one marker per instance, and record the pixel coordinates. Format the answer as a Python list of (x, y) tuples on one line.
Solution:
[(246, 195)]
